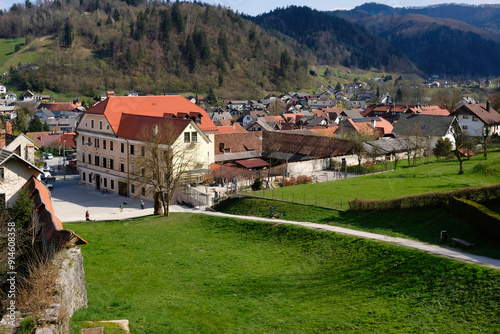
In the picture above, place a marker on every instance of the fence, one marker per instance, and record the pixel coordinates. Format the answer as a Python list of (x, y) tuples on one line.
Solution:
[(329, 202)]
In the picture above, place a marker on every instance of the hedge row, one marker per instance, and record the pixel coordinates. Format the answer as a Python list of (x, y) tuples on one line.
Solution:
[(479, 216), (475, 194)]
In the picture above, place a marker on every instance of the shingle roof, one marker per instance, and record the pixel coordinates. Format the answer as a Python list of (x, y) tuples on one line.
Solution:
[(480, 110), (237, 142), (423, 125), (297, 147), (114, 106), (59, 106)]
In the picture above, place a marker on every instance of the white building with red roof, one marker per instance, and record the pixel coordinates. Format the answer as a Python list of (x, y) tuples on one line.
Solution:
[(474, 119), (111, 138)]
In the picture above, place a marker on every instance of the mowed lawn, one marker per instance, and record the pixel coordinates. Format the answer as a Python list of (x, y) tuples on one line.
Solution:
[(203, 274), (431, 177)]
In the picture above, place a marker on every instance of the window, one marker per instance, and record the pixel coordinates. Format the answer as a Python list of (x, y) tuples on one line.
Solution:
[(105, 182), (96, 160), (186, 137), (143, 172), (83, 176), (132, 188), (104, 162), (143, 151), (96, 142), (143, 191), (2, 173), (83, 140), (132, 149), (111, 146), (194, 137), (92, 123), (474, 118), (122, 147), (90, 159), (107, 126), (112, 184), (85, 124), (122, 167), (465, 117), (465, 127), (104, 143), (83, 157), (111, 164)]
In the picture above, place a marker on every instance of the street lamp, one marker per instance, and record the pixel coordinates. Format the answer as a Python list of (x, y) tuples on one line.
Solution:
[(64, 157)]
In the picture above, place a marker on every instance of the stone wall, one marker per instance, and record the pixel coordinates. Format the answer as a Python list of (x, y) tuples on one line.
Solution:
[(70, 294)]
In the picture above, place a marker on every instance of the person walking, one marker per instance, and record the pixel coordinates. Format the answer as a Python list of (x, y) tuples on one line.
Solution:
[(121, 207), (87, 215), (142, 205)]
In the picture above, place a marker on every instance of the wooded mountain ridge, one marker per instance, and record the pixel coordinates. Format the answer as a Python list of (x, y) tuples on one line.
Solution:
[(156, 47)]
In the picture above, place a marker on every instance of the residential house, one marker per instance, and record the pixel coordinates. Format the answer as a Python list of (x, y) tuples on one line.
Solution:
[(374, 127), (260, 124), (240, 105), (232, 127), (365, 96), (428, 128), (44, 114), (321, 104), (386, 99), (466, 100), (111, 137), (250, 115), (10, 96), (62, 124), (355, 105), (388, 149), (14, 173), (390, 112), (219, 114), (428, 110), (477, 119)]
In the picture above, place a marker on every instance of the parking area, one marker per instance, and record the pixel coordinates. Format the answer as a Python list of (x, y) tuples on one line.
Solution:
[(72, 201)]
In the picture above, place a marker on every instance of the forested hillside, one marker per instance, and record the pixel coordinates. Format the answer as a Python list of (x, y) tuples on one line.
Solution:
[(152, 47), (442, 43), (334, 41)]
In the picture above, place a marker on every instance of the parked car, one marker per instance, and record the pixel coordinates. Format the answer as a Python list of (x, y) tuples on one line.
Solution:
[(48, 156)]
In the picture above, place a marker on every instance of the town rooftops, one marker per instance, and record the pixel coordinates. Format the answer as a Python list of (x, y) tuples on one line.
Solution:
[(114, 106)]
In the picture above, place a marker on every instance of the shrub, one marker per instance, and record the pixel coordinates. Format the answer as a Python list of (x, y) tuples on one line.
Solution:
[(477, 215), (257, 184)]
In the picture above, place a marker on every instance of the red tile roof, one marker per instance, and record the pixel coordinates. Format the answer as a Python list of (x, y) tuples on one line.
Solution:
[(51, 225), (49, 139), (252, 163), (138, 127), (114, 106), (59, 106), (238, 142), (235, 128)]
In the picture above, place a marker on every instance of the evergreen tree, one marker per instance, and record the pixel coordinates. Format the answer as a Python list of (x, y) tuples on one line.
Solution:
[(35, 125), (190, 54), (177, 18), (67, 36), (399, 96), (211, 98)]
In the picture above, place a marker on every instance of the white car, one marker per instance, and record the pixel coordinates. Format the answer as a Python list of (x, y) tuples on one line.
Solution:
[(48, 156)]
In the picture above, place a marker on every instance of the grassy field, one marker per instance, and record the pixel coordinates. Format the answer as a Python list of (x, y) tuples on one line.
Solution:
[(422, 225), (436, 176), (203, 274), (7, 48)]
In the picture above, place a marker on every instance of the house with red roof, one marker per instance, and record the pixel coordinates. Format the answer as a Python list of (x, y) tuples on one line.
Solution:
[(112, 136)]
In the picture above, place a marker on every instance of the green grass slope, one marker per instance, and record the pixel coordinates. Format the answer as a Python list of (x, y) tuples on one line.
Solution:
[(436, 176), (204, 274)]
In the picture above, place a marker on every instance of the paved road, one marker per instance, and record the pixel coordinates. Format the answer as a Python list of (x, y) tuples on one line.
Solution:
[(71, 201)]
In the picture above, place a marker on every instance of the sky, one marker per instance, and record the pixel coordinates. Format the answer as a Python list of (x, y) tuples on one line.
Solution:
[(256, 7)]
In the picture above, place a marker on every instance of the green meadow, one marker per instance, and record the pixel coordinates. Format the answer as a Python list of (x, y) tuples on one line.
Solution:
[(202, 274), (404, 181)]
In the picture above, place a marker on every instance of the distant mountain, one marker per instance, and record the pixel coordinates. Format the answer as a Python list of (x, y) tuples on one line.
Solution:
[(436, 45), (333, 40)]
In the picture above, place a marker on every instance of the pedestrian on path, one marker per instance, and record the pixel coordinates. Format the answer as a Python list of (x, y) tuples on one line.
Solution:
[(121, 207), (142, 205), (87, 215)]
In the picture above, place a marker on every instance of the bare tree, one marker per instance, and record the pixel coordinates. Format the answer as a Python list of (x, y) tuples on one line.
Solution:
[(463, 144), (164, 159), (358, 139), (447, 98)]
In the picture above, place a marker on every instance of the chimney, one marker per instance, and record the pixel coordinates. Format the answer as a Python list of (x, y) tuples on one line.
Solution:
[(374, 123), (8, 127), (488, 106)]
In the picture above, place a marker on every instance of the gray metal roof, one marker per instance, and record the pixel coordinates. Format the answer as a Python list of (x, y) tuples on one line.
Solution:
[(423, 125)]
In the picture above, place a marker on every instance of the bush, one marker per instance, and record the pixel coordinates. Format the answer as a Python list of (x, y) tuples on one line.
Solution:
[(476, 194), (257, 184), (477, 215)]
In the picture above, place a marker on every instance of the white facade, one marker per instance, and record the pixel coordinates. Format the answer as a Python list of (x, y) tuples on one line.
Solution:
[(474, 127)]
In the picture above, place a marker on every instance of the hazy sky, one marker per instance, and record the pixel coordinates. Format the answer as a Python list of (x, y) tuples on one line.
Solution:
[(255, 7)]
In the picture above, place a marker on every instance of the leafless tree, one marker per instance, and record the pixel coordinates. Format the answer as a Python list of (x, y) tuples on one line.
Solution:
[(163, 162), (358, 139)]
